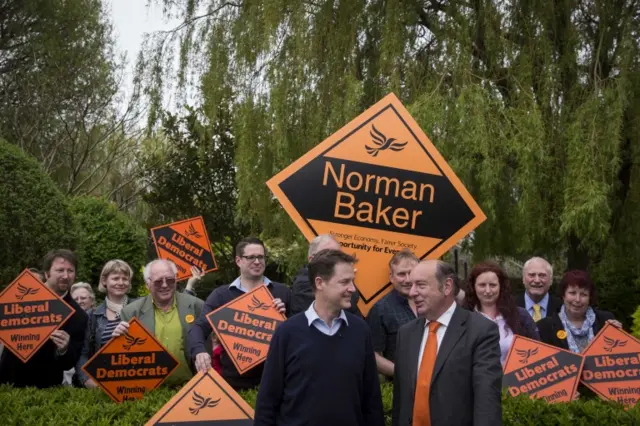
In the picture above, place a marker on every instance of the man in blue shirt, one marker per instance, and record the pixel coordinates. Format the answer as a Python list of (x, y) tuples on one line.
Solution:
[(321, 368), (537, 276)]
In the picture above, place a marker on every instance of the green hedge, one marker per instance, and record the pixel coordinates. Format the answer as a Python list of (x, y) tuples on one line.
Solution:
[(106, 233), (68, 406), (34, 214)]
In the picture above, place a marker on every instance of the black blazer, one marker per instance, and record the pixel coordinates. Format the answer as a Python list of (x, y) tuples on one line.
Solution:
[(553, 307), (467, 373), (550, 326), (528, 326)]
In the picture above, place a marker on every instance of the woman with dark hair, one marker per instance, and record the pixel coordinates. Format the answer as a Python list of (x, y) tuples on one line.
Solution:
[(489, 293), (578, 322)]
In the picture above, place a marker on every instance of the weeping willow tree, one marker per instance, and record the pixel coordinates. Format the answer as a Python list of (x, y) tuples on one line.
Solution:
[(533, 102)]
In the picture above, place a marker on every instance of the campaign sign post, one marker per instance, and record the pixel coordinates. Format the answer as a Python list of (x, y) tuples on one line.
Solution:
[(612, 366), (130, 365), (245, 327), (186, 244), (378, 185), (29, 313), (541, 371), (207, 399)]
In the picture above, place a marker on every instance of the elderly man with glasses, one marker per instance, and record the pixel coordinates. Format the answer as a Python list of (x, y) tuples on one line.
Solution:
[(251, 260), (166, 313)]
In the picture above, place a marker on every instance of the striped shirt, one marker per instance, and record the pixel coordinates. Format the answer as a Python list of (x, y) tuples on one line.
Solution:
[(108, 331)]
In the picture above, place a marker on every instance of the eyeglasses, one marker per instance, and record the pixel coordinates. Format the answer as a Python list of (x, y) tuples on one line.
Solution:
[(253, 258), (167, 281)]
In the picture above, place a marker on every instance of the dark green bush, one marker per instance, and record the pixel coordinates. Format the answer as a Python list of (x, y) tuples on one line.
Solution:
[(106, 233), (34, 215), (68, 406)]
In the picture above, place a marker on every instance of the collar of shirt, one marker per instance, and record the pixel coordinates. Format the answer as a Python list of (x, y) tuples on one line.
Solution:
[(528, 303), (173, 305), (444, 318), (237, 284), (312, 316)]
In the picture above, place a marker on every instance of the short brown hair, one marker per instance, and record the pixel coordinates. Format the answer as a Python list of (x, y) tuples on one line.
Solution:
[(323, 264), (580, 279), (248, 241), (65, 254), (404, 254)]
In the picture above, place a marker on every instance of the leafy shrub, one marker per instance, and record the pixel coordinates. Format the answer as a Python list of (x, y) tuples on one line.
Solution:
[(106, 233), (69, 406), (635, 327), (34, 214)]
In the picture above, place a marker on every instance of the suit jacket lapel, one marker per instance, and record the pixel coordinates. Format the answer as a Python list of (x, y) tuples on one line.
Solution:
[(452, 334), (185, 308), (413, 352), (148, 316)]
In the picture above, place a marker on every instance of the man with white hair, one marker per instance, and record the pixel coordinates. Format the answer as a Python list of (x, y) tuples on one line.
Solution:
[(301, 291), (537, 276), (166, 313)]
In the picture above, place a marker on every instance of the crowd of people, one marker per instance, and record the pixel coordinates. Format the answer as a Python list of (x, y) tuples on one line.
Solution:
[(441, 342)]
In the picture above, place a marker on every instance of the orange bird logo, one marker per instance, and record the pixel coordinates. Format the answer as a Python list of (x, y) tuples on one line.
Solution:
[(25, 291), (191, 232), (133, 341), (611, 344), (257, 304), (526, 354), (382, 143), (202, 403)]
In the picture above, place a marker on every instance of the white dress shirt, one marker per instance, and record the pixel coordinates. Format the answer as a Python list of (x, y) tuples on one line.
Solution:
[(314, 319), (444, 323), (238, 284)]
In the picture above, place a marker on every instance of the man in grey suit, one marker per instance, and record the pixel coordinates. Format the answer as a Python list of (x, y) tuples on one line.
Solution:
[(447, 364), (166, 313)]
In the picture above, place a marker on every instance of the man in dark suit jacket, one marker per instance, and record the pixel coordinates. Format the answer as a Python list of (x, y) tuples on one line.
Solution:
[(537, 275), (466, 379)]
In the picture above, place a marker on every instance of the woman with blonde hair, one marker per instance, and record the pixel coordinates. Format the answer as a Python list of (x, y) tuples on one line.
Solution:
[(115, 281)]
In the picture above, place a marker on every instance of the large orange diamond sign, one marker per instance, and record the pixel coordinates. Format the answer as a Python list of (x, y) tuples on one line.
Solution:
[(130, 365), (612, 366), (378, 185), (206, 400), (186, 244), (245, 327), (29, 313), (541, 371)]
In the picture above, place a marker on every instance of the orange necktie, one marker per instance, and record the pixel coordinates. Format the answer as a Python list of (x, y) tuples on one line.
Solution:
[(421, 412)]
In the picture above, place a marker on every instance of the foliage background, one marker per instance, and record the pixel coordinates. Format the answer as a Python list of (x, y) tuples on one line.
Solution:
[(71, 406), (34, 214), (534, 103), (105, 234)]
